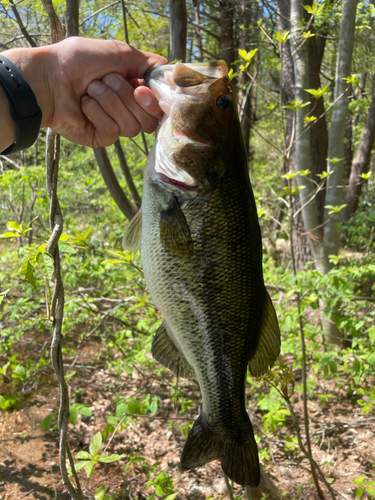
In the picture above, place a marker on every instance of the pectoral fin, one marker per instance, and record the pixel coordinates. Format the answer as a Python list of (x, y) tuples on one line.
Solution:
[(133, 235), (174, 231), (164, 350), (269, 341)]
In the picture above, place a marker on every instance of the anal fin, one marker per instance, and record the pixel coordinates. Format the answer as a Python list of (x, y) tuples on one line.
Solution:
[(269, 341), (164, 350), (133, 235)]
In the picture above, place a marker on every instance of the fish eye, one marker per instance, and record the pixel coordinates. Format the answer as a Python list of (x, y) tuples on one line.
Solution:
[(223, 102)]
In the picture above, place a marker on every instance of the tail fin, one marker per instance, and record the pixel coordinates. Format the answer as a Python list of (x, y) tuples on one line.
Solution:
[(238, 453)]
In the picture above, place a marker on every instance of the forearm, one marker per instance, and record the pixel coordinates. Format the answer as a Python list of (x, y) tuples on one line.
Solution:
[(29, 62)]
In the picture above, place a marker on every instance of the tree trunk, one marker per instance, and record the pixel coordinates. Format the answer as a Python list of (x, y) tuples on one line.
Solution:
[(302, 142), (198, 32), (361, 162), (248, 17), (335, 192), (178, 20), (226, 31), (319, 130), (72, 18)]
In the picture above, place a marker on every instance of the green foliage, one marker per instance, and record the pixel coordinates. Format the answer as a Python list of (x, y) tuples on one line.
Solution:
[(88, 460), (363, 485), (164, 487), (314, 9)]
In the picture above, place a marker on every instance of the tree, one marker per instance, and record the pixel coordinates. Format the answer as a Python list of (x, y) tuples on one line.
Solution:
[(323, 238)]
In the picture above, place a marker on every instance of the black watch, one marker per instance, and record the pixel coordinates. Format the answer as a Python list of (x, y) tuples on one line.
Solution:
[(23, 105)]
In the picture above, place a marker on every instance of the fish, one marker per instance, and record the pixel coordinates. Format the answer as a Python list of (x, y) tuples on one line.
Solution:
[(201, 249)]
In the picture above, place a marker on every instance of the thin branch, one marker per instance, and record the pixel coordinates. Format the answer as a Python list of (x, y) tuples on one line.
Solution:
[(98, 12), (21, 25)]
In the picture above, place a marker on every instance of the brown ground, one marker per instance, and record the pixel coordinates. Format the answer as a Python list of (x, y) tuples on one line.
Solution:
[(343, 441)]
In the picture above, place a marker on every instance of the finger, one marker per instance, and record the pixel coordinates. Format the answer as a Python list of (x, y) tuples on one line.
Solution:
[(147, 117), (105, 129), (114, 106), (146, 99)]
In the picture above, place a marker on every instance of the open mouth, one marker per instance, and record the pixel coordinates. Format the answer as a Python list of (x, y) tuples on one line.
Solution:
[(163, 82)]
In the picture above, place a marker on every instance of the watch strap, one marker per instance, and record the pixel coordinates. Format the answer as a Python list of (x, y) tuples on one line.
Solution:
[(23, 105)]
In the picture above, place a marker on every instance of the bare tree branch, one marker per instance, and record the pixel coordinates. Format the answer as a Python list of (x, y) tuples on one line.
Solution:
[(21, 25), (128, 176), (109, 176)]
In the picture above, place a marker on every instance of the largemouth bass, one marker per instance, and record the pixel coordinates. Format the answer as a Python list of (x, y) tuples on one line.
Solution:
[(202, 257)]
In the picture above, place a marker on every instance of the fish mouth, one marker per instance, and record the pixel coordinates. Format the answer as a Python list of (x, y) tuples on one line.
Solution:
[(173, 84)]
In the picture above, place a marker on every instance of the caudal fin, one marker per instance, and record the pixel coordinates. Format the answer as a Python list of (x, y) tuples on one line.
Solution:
[(238, 452)]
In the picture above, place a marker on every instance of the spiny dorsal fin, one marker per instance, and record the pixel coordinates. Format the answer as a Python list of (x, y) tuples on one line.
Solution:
[(133, 235), (269, 341), (174, 231), (164, 350)]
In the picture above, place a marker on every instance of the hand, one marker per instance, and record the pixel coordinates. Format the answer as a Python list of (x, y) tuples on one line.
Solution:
[(90, 91)]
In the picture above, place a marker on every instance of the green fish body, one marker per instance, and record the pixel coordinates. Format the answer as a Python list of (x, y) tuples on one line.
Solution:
[(202, 257)]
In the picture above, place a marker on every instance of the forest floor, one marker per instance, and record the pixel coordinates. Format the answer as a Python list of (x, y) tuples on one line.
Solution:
[(343, 439)]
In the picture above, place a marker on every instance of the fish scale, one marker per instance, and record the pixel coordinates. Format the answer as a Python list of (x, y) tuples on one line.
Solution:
[(202, 258)]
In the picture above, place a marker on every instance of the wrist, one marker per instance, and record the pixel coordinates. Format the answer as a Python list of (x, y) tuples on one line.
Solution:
[(8, 129), (33, 64)]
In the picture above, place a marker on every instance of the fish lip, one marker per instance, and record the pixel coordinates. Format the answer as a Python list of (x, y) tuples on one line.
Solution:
[(174, 183)]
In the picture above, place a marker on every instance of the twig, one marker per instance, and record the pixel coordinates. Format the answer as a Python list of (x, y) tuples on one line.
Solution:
[(229, 487), (98, 12)]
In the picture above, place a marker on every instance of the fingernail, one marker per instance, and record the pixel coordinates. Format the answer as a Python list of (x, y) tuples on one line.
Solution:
[(113, 82), (97, 87), (144, 99)]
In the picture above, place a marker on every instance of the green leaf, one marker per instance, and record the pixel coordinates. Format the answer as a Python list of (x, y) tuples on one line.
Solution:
[(365, 176), (89, 468), (112, 420), (95, 444), (14, 225), (333, 209), (282, 37), (309, 119), (29, 273), (360, 480), (356, 365), (80, 465), (85, 411), (359, 492), (73, 415), (317, 93), (47, 422), (159, 491), (83, 454), (66, 247), (121, 409), (370, 490), (2, 295), (10, 235), (171, 497), (100, 493), (111, 458), (46, 264)]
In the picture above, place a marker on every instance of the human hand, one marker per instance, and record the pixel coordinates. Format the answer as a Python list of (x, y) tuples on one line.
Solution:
[(90, 91)]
